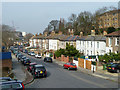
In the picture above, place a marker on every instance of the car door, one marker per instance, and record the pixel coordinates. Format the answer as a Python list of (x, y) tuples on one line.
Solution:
[(67, 65)]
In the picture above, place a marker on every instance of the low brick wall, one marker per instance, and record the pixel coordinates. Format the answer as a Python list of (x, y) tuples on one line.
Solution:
[(88, 64), (81, 62), (63, 58)]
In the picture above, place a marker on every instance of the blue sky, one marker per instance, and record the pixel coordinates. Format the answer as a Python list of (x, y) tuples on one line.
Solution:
[(34, 17)]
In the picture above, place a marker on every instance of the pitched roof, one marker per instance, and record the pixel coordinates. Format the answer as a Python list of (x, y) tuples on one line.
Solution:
[(116, 33), (93, 38), (70, 38)]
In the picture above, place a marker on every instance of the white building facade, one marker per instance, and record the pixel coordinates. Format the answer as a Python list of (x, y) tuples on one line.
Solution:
[(53, 44), (89, 46)]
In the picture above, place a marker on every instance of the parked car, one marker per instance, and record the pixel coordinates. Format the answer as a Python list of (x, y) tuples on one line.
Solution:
[(26, 61), (48, 59), (30, 66), (32, 54), (29, 53), (25, 51), (38, 56), (22, 59), (39, 70), (12, 85), (115, 67), (70, 65), (20, 56), (21, 50)]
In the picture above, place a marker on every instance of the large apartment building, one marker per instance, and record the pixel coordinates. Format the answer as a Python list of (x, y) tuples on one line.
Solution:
[(110, 19)]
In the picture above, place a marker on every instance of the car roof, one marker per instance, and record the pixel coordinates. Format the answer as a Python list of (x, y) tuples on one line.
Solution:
[(40, 65), (33, 63), (5, 78), (12, 81)]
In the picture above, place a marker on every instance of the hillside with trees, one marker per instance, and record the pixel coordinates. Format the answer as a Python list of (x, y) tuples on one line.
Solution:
[(83, 22)]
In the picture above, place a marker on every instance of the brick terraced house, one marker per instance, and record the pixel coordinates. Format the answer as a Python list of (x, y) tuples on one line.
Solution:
[(113, 42)]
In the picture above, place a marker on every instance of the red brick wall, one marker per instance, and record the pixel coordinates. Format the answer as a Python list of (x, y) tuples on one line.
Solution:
[(88, 64), (81, 62), (63, 58)]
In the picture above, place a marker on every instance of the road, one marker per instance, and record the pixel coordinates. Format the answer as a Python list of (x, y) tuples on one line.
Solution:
[(62, 78)]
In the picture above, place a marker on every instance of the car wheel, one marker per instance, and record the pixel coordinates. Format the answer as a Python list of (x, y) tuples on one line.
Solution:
[(45, 76), (117, 71)]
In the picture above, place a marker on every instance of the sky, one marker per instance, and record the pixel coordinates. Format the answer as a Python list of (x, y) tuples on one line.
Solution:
[(33, 17)]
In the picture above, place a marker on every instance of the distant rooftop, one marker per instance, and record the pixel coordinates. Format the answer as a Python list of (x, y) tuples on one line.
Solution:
[(116, 33)]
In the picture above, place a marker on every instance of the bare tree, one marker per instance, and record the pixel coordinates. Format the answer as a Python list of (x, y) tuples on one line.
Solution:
[(28, 36), (54, 24), (8, 36)]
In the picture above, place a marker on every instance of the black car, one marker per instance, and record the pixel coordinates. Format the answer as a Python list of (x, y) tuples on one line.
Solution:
[(12, 85), (22, 59), (20, 56), (48, 59), (39, 70), (26, 61), (115, 67)]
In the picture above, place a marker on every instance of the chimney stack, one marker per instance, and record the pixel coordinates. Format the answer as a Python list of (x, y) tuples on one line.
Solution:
[(104, 32), (70, 31), (81, 34), (60, 33), (92, 32), (40, 34), (53, 33), (36, 34), (45, 34)]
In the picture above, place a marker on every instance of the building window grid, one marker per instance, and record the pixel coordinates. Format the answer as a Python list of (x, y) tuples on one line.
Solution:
[(91, 43), (87, 43), (97, 44)]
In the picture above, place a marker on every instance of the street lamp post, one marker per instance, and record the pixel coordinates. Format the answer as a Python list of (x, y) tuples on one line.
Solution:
[(94, 52)]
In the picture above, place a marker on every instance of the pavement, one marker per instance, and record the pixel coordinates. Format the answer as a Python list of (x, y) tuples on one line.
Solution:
[(100, 73), (20, 71)]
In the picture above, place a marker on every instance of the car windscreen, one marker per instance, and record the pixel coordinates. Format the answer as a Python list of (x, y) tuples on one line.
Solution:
[(40, 68), (14, 85), (73, 64), (114, 65), (49, 58), (4, 80)]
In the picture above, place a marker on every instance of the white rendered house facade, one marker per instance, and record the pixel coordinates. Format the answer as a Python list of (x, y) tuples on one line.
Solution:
[(89, 46)]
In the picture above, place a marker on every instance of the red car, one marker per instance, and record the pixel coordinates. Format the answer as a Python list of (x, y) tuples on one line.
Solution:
[(30, 66), (70, 65)]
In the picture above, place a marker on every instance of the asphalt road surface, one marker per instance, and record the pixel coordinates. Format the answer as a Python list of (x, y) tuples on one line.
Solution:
[(62, 78)]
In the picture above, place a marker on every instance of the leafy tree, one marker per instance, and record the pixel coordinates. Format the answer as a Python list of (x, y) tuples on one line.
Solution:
[(110, 57), (69, 51), (110, 30)]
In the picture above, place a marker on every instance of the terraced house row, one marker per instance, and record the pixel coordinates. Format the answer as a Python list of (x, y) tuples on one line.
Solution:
[(88, 45)]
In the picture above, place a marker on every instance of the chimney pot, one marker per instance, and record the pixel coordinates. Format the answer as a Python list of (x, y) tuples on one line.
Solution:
[(45, 34), (92, 32), (81, 34), (104, 33)]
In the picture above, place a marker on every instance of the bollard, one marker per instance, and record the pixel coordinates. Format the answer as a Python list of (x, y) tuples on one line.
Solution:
[(93, 69)]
